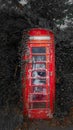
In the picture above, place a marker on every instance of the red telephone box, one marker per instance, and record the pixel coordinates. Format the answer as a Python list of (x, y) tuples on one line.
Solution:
[(39, 82)]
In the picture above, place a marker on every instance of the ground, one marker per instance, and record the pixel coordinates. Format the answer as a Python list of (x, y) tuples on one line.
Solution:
[(12, 119)]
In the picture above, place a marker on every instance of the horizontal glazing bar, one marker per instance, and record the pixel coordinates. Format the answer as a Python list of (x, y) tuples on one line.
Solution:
[(38, 101), (38, 54), (38, 93), (40, 69)]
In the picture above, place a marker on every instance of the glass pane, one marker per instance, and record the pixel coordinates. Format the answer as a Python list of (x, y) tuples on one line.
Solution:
[(38, 105), (38, 81), (38, 50), (39, 89), (39, 97), (38, 58), (39, 73), (37, 66)]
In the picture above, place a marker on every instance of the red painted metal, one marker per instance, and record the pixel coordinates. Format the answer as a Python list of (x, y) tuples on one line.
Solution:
[(39, 82)]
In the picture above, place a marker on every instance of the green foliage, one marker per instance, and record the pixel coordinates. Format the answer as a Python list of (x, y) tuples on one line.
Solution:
[(54, 11)]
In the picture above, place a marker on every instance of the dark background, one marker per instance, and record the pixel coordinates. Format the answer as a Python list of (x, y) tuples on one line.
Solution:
[(16, 18)]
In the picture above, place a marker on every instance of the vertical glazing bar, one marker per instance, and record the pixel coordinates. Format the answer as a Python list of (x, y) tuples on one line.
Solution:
[(47, 75)]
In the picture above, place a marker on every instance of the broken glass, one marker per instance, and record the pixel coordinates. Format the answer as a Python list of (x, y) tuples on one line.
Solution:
[(38, 58), (37, 66), (41, 89), (38, 81), (39, 73)]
